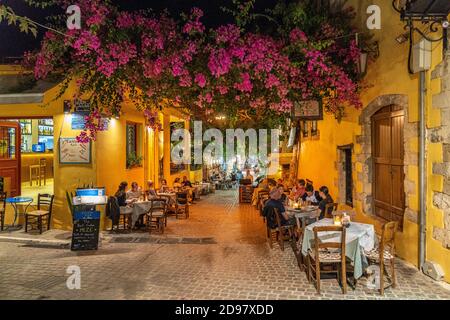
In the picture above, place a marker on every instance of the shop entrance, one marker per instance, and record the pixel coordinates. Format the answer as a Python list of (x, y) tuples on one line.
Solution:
[(10, 157), (26, 156)]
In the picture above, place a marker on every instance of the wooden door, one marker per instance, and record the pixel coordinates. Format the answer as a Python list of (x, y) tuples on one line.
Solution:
[(388, 154), (10, 154)]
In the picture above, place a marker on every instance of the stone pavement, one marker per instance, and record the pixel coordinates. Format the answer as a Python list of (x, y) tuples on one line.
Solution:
[(220, 252)]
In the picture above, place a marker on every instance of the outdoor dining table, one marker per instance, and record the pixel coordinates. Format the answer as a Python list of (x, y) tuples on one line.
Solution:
[(14, 202), (359, 237), (302, 214), (139, 208), (171, 195)]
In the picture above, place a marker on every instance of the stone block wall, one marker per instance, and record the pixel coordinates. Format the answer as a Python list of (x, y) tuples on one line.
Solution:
[(364, 157), (441, 135)]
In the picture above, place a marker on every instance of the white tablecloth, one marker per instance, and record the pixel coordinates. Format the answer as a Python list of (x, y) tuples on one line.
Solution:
[(139, 208), (358, 237), (365, 233)]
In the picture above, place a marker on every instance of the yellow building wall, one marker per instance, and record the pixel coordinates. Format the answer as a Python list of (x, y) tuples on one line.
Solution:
[(66, 177), (108, 167), (317, 159), (387, 75)]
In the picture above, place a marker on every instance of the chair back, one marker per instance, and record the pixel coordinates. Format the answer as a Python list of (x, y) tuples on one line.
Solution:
[(45, 200), (3, 196), (158, 204), (42, 162), (330, 208), (181, 197), (388, 237), (277, 217), (318, 244)]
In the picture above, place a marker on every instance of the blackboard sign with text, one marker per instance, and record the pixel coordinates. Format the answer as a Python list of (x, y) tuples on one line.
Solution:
[(86, 227)]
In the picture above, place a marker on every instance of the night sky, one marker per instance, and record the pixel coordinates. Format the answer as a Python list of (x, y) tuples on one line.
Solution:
[(13, 43)]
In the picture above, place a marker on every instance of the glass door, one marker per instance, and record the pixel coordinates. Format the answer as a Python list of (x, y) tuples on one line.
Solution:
[(10, 148)]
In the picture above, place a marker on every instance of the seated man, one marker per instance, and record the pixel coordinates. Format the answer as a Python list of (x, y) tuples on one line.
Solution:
[(186, 182), (134, 193), (298, 190), (311, 195), (275, 202)]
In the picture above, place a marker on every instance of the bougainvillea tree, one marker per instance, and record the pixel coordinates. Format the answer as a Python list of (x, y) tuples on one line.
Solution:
[(234, 70)]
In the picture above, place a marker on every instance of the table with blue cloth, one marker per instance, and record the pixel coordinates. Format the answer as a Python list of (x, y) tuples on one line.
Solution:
[(360, 237), (14, 203)]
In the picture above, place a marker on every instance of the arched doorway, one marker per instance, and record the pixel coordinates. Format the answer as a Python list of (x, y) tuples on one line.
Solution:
[(388, 163)]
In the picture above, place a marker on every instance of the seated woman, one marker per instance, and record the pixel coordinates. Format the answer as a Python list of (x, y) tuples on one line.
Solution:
[(151, 192), (134, 193), (164, 186), (326, 199), (121, 194)]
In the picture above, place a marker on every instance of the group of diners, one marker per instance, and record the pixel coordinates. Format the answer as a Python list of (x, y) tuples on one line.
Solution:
[(128, 197), (300, 191)]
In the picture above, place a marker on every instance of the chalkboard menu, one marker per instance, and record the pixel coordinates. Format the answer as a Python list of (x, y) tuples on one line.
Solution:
[(86, 226)]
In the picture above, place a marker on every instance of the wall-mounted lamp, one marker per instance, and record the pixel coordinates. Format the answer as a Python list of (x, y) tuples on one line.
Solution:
[(369, 50)]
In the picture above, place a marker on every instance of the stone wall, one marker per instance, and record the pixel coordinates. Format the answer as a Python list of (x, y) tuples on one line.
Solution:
[(364, 157), (441, 135)]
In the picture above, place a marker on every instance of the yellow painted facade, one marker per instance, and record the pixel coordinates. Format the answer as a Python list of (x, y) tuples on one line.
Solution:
[(387, 75), (108, 166)]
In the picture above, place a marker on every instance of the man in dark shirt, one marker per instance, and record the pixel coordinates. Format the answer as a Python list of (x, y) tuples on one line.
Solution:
[(186, 182), (311, 195), (276, 203)]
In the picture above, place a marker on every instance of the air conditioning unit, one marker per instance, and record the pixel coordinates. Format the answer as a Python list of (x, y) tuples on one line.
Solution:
[(433, 270)]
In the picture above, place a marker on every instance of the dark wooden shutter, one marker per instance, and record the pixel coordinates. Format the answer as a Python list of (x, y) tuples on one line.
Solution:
[(388, 155)]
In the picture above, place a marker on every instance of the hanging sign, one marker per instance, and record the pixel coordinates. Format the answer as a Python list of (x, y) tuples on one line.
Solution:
[(73, 152), (307, 110)]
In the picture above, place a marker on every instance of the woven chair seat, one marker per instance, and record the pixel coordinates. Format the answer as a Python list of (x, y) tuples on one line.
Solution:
[(326, 255), (37, 213), (374, 255)]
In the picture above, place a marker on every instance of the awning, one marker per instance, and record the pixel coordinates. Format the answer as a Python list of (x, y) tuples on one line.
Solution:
[(22, 89), (425, 9)]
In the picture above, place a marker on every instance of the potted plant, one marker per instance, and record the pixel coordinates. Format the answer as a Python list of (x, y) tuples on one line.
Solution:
[(134, 160)]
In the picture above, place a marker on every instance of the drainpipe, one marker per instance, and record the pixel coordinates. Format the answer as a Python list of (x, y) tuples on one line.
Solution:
[(422, 170)]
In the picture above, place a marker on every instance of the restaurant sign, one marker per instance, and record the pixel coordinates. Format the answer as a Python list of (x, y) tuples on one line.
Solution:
[(86, 227), (73, 152), (307, 110)]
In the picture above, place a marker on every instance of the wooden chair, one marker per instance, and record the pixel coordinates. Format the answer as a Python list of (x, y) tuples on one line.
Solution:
[(182, 204), (385, 254), (157, 217), (321, 256), (329, 209), (125, 218), (3, 197), (170, 206), (279, 232), (43, 171), (38, 216), (301, 260)]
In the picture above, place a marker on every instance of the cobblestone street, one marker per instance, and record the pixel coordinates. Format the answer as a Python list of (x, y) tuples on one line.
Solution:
[(219, 253)]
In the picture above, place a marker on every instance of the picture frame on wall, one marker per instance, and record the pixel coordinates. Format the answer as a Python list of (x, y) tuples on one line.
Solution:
[(307, 110), (73, 152)]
